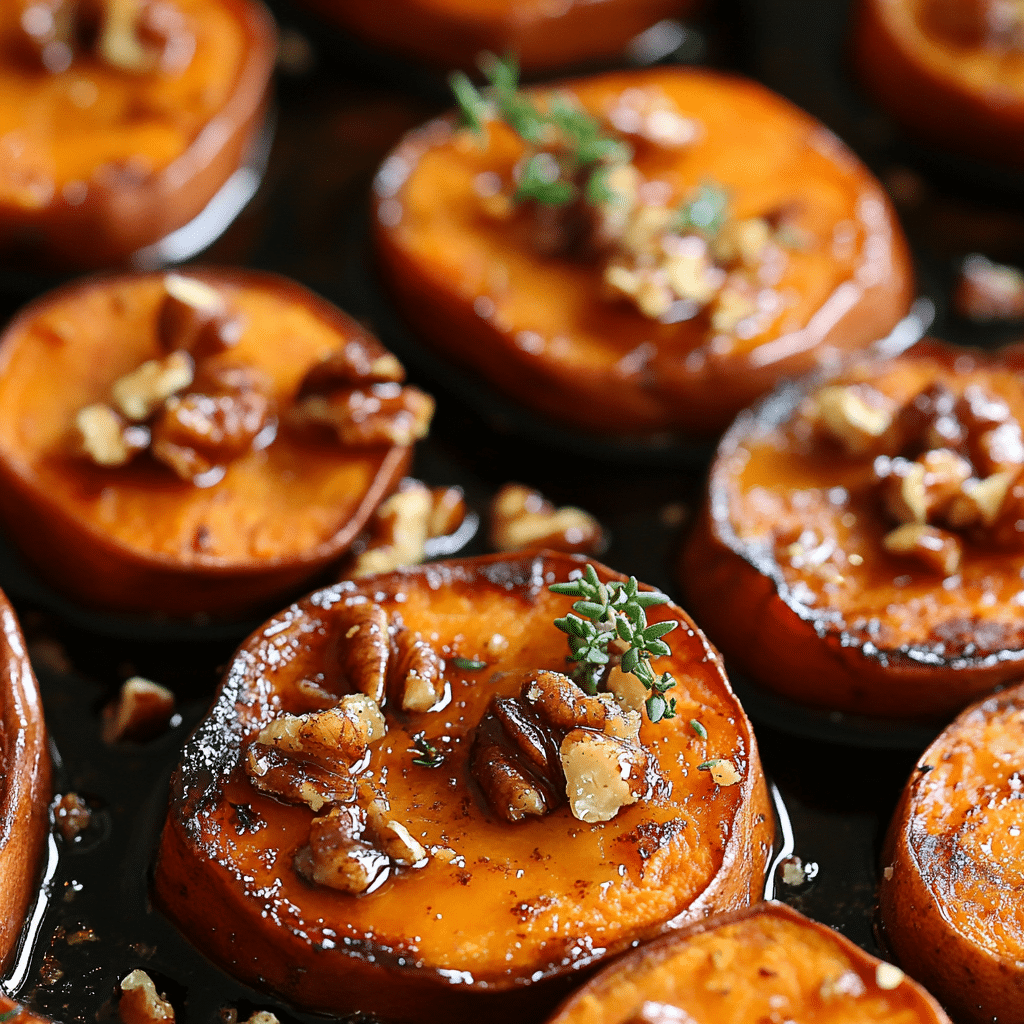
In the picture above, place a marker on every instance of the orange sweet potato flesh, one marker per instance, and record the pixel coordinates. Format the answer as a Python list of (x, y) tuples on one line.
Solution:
[(502, 930), (109, 161), (602, 365), (751, 966), (952, 908), (544, 36), (137, 538), (24, 782), (885, 637), (963, 95)]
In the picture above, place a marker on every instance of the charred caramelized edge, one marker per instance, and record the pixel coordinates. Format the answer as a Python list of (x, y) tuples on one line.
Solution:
[(771, 413)]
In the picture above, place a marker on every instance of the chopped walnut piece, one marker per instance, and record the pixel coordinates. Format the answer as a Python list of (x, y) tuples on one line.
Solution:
[(602, 774), (915, 492), (723, 772), (360, 361), (418, 670), (855, 415), (140, 393), (523, 519), (628, 691), (447, 511), (938, 550), (337, 856), (380, 414), (263, 1017), (392, 836), (989, 291), (888, 977), (999, 448), (71, 815), (561, 703), (364, 646), (103, 436), (142, 710), (140, 1003), (512, 790), (399, 532), (120, 43), (980, 501), (195, 317)]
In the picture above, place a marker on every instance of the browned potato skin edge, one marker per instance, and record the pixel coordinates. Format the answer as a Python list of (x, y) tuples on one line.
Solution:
[(989, 126), (24, 783), (109, 225), (636, 961), (712, 396), (95, 569), (741, 611), (541, 42), (917, 930), (271, 961)]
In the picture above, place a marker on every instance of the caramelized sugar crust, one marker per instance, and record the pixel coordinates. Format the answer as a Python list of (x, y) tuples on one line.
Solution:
[(749, 966), (24, 783), (156, 541), (952, 906), (933, 66), (97, 162), (788, 572), (451, 33), (515, 904), (542, 327)]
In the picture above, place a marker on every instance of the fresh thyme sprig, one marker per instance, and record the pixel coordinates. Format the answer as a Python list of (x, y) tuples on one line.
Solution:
[(606, 611), (430, 756), (705, 212), (572, 151)]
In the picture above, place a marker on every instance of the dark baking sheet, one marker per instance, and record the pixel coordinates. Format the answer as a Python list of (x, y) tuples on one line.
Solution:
[(341, 107)]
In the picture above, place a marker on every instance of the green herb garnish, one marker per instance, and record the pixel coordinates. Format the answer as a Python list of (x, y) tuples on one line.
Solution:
[(572, 151), (468, 664), (612, 610), (430, 756), (705, 211), (708, 765), (11, 1013), (698, 729)]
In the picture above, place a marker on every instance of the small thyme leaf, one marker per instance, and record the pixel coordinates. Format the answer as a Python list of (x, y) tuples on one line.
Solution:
[(540, 181), (705, 212), (473, 107), (11, 1013), (431, 756), (708, 765), (698, 729), (469, 664)]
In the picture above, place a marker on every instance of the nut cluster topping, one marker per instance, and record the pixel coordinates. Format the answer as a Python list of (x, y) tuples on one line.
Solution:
[(321, 758), (357, 394), (947, 466), (402, 527), (523, 519), (554, 742), (190, 410), (133, 36)]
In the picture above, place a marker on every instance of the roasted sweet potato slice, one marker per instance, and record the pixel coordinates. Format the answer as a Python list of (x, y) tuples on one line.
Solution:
[(24, 782), (859, 548), (748, 966), (123, 118), (545, 36), (137, 536), (952, 893), (808, 257), (951, 72), (487, 916)]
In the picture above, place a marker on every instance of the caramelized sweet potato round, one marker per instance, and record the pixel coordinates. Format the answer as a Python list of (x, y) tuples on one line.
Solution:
[(99, 159), (952, 71), (545, 36), (750, 966), (952, 893), (859, 547), (24, 782), (490, 917), (469, 275), (135, 536)]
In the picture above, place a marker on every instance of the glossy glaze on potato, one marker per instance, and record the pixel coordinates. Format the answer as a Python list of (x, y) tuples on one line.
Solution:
[(137, 537), (531, 902), (98, 162), (952, 894), (875, 634), (753, 965), (540, 327), (544, 36), (24, 783), (965, 95)]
